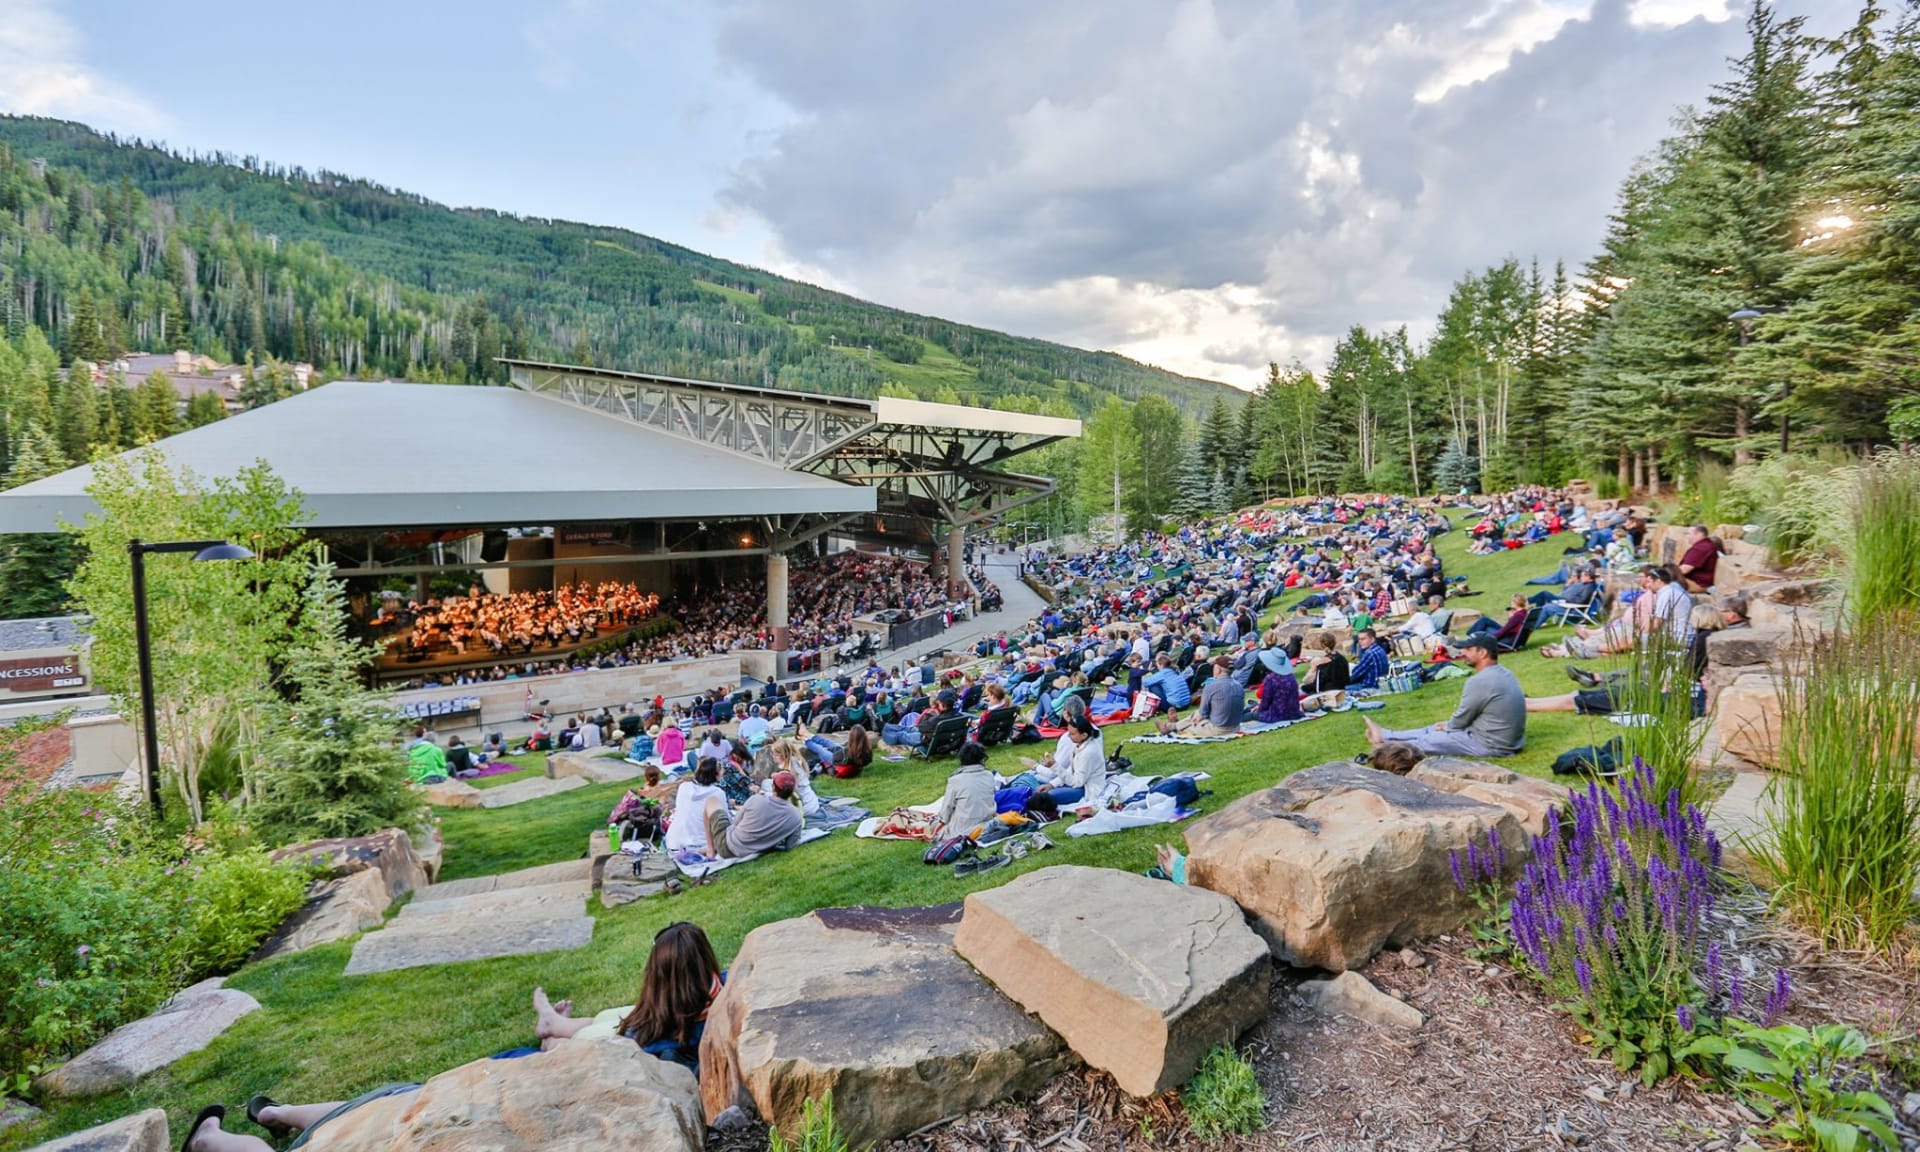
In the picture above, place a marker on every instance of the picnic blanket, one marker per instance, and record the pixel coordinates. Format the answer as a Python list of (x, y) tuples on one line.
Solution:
[(837, 813), (869, 828), (700, 867), (1250, 728), (1050, 732)]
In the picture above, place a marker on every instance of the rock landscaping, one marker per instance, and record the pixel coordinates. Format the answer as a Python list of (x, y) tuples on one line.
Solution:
[(534, 910), (1337, 862), (875, 1006), (1140, 977), (188, 1022), (586, 1096), (141, 1132)]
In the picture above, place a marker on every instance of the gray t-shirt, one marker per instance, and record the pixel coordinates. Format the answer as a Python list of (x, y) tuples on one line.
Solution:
[(765, 822), (1222, 702), (1494, 708)]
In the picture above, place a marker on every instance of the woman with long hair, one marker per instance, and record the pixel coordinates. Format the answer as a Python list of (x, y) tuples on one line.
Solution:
[(667, 1020), (668, 1017)]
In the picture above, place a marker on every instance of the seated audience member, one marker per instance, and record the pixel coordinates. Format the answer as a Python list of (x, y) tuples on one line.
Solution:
[(1701, 561), (917, 734), (968, 801), (713, 746), (1507, 634), (1279, 698), (494, 747), (1168, 683), (1082, 774), (767, 822), (1222, 707), (1327, 669), (844, 761), (1584, 590), (1491, 720), (755, 727), (460, 763), (670, 746), (426, 762), (688, 829), (667, 1020), (1372, 664)]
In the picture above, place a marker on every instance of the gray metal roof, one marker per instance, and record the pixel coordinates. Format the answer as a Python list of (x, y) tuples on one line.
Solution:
[(45, 632), (378, 454)]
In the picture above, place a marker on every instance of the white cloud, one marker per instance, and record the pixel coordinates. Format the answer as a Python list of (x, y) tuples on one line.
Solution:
[(1205, 184), (42, 73)]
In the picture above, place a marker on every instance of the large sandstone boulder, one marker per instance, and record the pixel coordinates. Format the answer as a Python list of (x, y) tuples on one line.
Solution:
[(873, 1005), (1140, 977), (584, 1096), (140, 1132), (1746, 718), (1792, 593), (335, 910), (1336, 862), (360, 877), (1529, 798), (185, 1024), (389, 852)]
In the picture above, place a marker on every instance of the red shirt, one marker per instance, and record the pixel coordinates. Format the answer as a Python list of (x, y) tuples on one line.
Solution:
[(1702, 558)]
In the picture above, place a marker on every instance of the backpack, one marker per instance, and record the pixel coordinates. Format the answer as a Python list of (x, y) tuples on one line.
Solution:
[(1594, 759), (948, 850)]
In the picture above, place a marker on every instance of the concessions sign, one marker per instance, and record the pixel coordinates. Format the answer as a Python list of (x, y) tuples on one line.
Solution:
[(42, 674)]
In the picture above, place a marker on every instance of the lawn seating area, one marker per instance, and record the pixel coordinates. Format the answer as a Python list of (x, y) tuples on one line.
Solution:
[(320, 1037)]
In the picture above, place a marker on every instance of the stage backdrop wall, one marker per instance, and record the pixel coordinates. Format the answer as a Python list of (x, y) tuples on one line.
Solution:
[(505, 702)]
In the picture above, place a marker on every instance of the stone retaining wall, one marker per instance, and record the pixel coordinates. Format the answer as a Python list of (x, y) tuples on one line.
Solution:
[(505, 701)]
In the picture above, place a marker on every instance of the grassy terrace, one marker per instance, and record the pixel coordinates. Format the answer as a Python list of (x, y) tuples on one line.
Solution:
[(320, 1036)]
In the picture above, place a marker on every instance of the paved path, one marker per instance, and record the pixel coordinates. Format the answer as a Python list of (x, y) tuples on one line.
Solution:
[(541, 909), (1738, 817)]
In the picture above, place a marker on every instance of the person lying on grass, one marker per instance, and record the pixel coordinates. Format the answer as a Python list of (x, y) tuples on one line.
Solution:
[(666, 1020)]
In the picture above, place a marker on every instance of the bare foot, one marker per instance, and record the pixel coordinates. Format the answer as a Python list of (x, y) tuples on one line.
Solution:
[(547, 1015), (1376, 735)]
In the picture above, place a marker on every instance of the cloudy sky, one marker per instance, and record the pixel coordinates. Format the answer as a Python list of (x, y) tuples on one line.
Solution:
[(1203, 184)]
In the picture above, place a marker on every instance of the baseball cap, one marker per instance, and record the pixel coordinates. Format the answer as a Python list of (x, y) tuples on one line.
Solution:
[(1484, 643), (784, 781)]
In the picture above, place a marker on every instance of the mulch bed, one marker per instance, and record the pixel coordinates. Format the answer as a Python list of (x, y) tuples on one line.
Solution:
[(1496, 1068)]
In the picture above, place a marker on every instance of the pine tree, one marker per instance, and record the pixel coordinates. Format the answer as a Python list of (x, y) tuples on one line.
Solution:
[(157, 408), (85, 338), (34, 567), (331, 767), (1192, 487), (1456, 471), (205, 409)]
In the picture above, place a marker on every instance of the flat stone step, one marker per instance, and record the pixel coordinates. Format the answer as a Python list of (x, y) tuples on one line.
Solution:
[(537, 876), (460, 938), (532, 788), (545, 899), (1736, 816)]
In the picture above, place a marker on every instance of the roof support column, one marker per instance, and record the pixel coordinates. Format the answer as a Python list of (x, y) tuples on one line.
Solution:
[(957, 559), (777, 610)]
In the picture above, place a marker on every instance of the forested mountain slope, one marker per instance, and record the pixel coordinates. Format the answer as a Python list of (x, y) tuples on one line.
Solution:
[(361, 279)]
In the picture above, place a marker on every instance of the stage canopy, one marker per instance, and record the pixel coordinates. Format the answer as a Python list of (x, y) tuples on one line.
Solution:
[(379, 455)]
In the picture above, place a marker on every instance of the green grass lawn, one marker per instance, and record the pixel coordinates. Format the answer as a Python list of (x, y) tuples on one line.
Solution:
[(530, 764), (321, 1036)]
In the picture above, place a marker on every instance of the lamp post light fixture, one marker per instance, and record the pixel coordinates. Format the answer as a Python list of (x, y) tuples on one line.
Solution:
[(137, 552)]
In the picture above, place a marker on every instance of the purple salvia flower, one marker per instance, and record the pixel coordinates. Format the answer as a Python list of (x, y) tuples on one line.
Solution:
[(1584, 975), (1453, 861), (1736, 994), (1777, 998), (1685, 1015)]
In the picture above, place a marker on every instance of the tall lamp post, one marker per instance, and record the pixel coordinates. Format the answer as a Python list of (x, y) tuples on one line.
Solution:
[(137, 551)]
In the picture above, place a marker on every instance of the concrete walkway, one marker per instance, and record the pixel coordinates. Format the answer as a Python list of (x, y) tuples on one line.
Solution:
[(1737, 817), (541, 909)]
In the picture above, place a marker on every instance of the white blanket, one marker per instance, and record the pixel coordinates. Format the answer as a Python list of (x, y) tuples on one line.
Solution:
[(1250, 728), (1155, 809)]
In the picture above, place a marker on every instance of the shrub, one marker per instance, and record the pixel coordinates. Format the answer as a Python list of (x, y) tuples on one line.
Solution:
[(818, 1132), (1224, 1096), (1799, 502), (233, 902), (1611, 922), (1798, 1080), (1883, 542), (1842, 851)]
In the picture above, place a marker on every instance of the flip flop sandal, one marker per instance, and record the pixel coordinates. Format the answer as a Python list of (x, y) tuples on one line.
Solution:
[(255, 1104), (210, 1112)]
